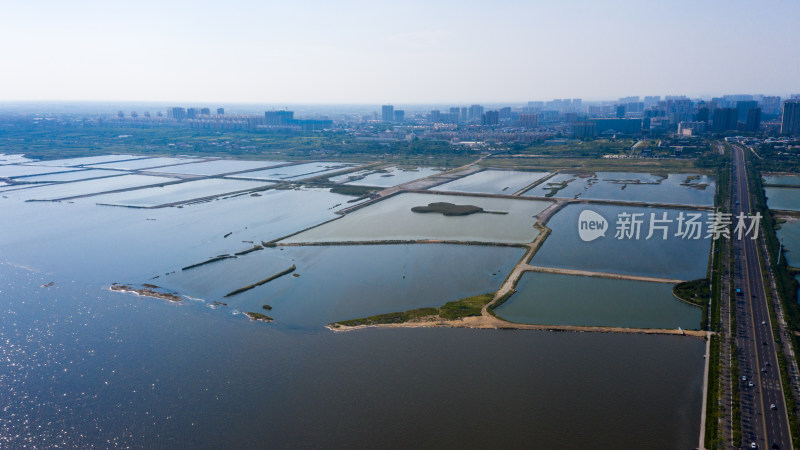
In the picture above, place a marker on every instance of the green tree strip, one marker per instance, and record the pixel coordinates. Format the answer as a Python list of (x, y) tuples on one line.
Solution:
[(265, 280)]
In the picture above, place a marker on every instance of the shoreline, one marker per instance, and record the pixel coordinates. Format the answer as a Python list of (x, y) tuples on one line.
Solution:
[(493, 323)]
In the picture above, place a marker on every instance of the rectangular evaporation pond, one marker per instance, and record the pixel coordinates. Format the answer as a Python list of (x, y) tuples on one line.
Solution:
[(673, 258), (71, 162), (217, 167), (789, 236), (14, 171), (492, 182), (70, 176), (555, 299), (379, 279), (791, 180), (392, 219), (676, 189), (787, 199), (178, 193), (391, 177), (91, 187), (147, 163), (293, 172)]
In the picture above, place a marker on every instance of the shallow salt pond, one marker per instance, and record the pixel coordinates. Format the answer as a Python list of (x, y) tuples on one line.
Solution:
[(555, 299), (673, 258), (218, 167), (793, 180), (389, 177), (294, 172), (635, 187), (175, 193), (88, 160), (71, 176), (787, 199), (87, 187), (145, 163), (14, 171), (377, 279), (392, 219), (789, 236), (504, 182)]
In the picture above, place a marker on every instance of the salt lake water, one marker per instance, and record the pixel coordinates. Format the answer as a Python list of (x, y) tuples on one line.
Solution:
[(555, 299), (787, 199), (492, 182)]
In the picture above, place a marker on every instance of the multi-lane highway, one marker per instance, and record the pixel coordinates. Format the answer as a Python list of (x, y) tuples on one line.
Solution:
[(764, 418)]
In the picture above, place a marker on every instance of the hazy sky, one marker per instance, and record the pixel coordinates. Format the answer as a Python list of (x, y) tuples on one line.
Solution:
[(403, 51)]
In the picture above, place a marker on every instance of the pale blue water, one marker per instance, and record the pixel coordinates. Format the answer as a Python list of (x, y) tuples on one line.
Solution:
[(623, 186), (71, 176), (787, 199), (392, 177), (87, 187), (218, 167), (145, 163), (379, 279), (294, 172), (492, 182), (789, 236), (782, 179), (174, 193), (674, 258), (83, 366), (554, 299), (86, 161)]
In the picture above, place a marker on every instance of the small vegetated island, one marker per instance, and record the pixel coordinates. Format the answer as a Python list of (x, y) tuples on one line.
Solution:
[(451, 209)]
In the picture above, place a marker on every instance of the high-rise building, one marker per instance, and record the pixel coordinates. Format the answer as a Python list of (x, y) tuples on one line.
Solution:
[(790, 125), (490, 118), (620, 111), (399, 115), (505, 113), (724, 119), (387, 113), (702, 114), (205, 112), (742, 106), (220, 111), (192, 113), (475, 112), (771, 106), (753, 120), (529, 120), (176, 113), (462, 116), (435, 116), (278, 117)]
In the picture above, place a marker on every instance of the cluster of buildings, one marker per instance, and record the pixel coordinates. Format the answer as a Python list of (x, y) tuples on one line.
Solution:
[(533, 121), (651, 115)]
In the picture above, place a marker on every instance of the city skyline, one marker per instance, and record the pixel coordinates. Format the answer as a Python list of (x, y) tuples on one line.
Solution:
[(355, 52)]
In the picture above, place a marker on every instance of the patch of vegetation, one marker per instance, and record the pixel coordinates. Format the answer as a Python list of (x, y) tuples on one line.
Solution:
[(695, 292), (466, 307), (355, 191), (451, 209), (258, 317), (396, 317)]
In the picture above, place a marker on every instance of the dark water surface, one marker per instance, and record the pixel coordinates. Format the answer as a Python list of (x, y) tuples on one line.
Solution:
[(83, 366)]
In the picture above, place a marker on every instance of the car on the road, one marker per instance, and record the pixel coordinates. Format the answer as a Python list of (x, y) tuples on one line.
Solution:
[(773, 407), (763, 322), (750, 384), (744, 377), (753, 445)]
